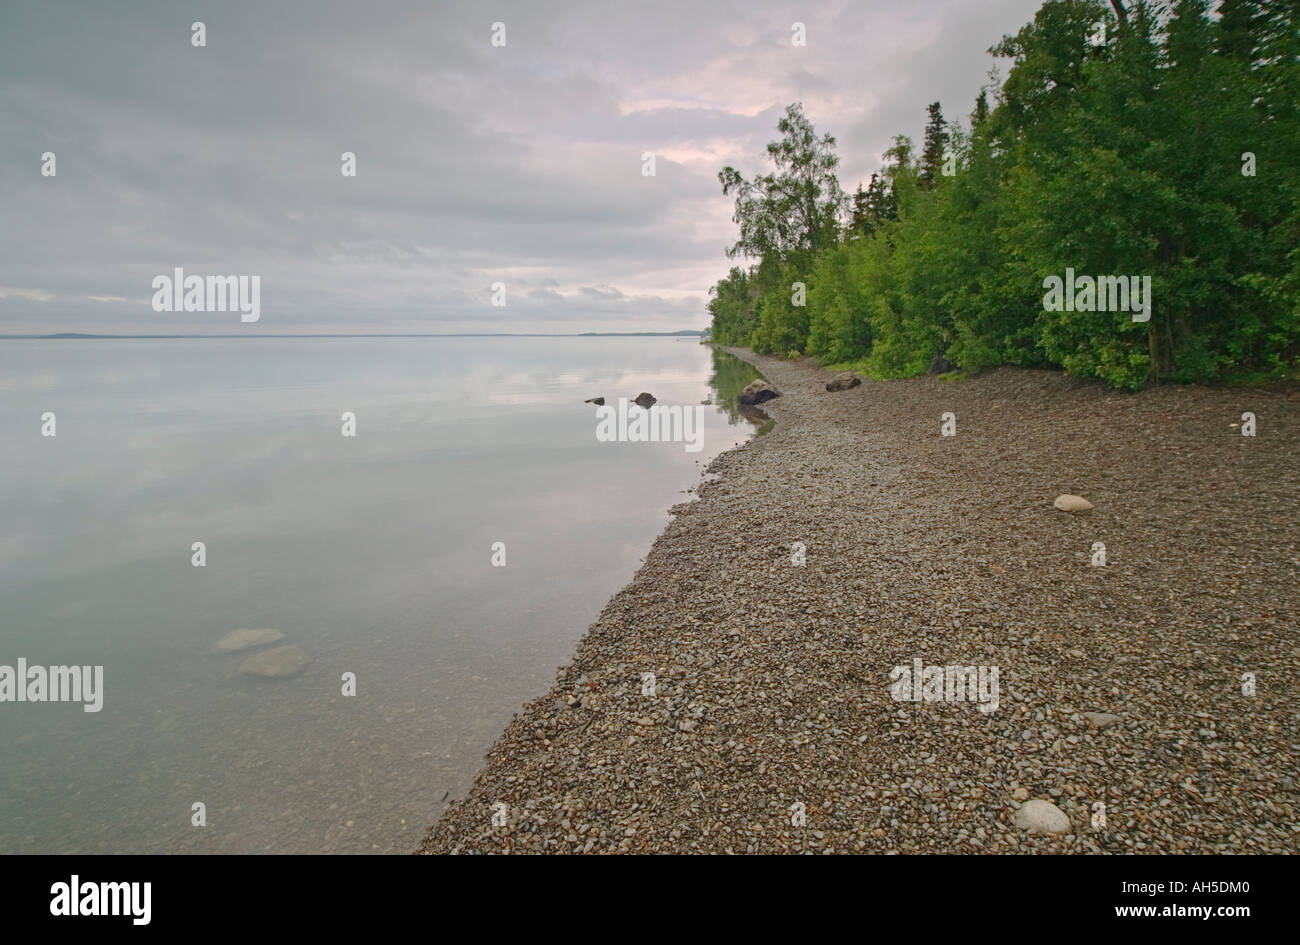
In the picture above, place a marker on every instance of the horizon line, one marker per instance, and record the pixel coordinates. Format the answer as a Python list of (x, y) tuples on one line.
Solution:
[(77, 335)]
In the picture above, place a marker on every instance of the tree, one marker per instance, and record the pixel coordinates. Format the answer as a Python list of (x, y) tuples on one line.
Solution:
[(860, 213), (1168, 154), (936, 143), (794, 211), (872, 208), (1241, 30), (733, 305)]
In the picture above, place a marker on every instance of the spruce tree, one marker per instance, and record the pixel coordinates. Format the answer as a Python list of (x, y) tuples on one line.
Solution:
[(861, 223), (1241, 29), (936, 142)]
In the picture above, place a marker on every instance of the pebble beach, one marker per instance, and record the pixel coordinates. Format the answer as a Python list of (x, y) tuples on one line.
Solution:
[(736, 696)]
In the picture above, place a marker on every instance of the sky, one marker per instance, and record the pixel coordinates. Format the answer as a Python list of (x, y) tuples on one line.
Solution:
[(520, 164)]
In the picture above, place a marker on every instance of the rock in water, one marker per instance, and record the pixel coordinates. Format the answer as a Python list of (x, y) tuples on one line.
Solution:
[(279, 663), (1041, 817), (1072, 503), (757, 392), (598, 401), (245, 638), (843, 381), (645, 400)]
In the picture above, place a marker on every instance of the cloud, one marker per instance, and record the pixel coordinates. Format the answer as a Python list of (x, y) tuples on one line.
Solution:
[(35, 295), (475, 163)]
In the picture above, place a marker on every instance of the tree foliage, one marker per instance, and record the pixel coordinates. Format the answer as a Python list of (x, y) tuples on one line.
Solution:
[(1143, 139), (794, 211)]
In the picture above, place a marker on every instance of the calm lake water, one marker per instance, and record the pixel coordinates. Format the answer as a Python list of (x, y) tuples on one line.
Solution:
[(372, 553)]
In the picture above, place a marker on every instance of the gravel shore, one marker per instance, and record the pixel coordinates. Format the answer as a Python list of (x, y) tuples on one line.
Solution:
[(772, 727)]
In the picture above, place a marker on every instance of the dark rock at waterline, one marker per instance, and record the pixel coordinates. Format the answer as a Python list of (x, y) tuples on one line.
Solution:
[(645, 400), (757, 392), (598, 401), (941, 365), (843, 381)]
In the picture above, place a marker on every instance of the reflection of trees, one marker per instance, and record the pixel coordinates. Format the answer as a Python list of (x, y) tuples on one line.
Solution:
[(730, 375)]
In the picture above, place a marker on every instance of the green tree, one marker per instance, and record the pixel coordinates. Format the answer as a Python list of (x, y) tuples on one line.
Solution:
[(936, 143), (795, 210), (1164, 146), (1242, 28), (733, 305)]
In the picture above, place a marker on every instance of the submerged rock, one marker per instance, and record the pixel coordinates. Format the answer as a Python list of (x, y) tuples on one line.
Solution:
[(843, 381), (1041, 817), (281, 662), (757, 392), (598, 401), (246, 638), (1072, 503), (645, 400)]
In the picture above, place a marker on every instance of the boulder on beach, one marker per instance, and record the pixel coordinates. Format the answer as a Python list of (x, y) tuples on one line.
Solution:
[(757, 392), (1041, 817), (246, 638), (1072, 503), (941, 365), (598, 401), (843, 381), (645, 400), (279, 663)]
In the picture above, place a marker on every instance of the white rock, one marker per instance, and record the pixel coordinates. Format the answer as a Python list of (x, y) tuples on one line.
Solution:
[(1041, 817), (245, 638), (1102, 720), (1072, 503), (275, 664)]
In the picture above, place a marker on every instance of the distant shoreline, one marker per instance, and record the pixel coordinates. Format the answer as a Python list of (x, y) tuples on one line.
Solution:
[(79, 336)]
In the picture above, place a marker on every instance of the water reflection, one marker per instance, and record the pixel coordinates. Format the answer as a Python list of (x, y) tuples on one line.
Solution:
[(370, 553), (730, 376)]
